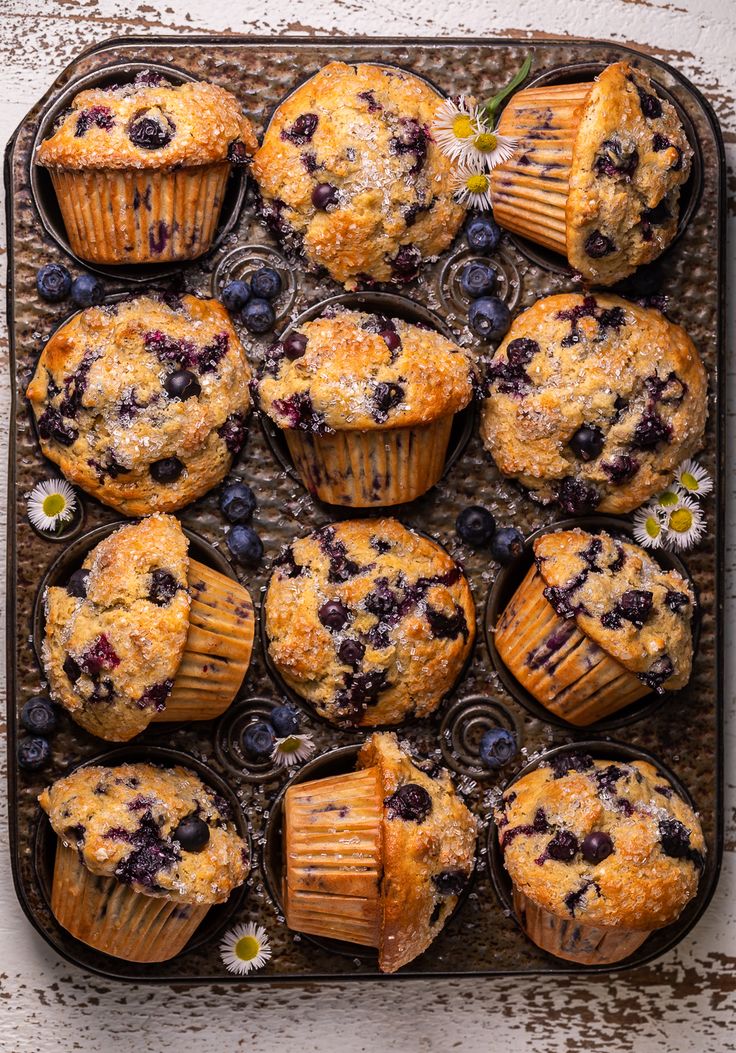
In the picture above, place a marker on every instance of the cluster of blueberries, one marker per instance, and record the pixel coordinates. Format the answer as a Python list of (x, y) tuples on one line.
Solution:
[(253, 301), (237, 504), (477, 527), (55, 283), (260, 736), (488, 316), (39, 717)]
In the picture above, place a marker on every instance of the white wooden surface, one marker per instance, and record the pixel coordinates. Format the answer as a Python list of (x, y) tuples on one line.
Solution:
[(684, 1003)]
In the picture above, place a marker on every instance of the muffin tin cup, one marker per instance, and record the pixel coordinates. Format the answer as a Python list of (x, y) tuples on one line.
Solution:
[(607, 681), (110, 917), (136, 225), (596, 947)]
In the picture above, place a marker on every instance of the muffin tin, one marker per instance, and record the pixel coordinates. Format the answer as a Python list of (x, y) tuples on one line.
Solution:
[(683, 731)]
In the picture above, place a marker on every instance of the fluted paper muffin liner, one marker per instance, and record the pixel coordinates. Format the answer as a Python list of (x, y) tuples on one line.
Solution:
[(333, 853), (140, 215), (559, 665), (114, 919), (218, 648), (569, 939), (359, 469), (529, 192)]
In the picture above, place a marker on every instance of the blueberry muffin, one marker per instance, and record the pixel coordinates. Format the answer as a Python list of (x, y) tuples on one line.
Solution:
[(597, 174), (593, 402), (595, 625), (143, 403), (379, 856), (366, 404), (369, 622), (140, 632), (140, 169), (143, 853), (600, 853), (349, 174)]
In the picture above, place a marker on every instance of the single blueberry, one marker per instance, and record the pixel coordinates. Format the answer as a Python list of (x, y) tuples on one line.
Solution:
[(258, 740), (245, 545), (598, 245), (182, 384), (477, 279), (587, 442), (54, 282), (164, 587), (167, 470), (333, 615), (563, 846), (77, 584), (150, 133), (482, 233), (285, 720), (475, 525), (266, 283), (489, 318), (237, 502), (675, 838), (34, 753), (235, 295), (497, 747), (597, 847), (87, 290), (351, 652), (391, 339), (192, 833), (258, 316), (324, 195), (294, 345), (411, 802), (39, 715), (506, 544)]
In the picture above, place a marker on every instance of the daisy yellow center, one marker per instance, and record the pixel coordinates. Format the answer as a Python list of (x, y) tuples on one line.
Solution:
[(290, 745), (652, 527), (247, 948), (477, 184), (462, 126), (668, 499), (486, 142), (689, 482), (681, 520), (53, 505)]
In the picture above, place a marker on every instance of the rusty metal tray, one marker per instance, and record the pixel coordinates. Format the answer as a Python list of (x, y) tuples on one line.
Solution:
[(684, 732)]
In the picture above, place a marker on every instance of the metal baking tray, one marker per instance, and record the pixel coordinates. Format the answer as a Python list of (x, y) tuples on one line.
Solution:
[(683, 732)]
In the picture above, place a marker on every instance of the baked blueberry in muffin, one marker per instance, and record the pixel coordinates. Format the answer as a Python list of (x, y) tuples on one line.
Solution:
[(369, 622), (350, 175), (143, 403), (593, 402)]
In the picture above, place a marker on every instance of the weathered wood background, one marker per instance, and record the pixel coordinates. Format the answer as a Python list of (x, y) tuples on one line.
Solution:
[(685, 1001)]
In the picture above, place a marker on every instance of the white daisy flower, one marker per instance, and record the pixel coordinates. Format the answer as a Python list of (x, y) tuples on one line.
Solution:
[(455, 126), (693, 478), (51, 504), (472, 187), (292, 749), (490, 149), (685, 524), (648, 529), (244, 948)]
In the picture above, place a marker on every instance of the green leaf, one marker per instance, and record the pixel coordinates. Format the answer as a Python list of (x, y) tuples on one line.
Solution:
[(490, 106)]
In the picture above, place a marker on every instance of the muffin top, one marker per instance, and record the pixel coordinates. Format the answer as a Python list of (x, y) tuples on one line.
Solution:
[(631, 157), (428, 850), (115, 634), (594, 402), (352, 371), (124, 823), (604, 842), (623, 600), (143, 403), (150, 124), (369, 622), (349, 173)]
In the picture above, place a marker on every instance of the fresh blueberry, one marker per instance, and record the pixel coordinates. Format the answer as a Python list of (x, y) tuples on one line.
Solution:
[(324, 195), (482, 233), (475, 525), (266, 283), (192, 833), (410, 802), (489, 318), (245, 545), (351, 652), (235, 295), (258, 316), (54, 282), (497, 747), (33, 753), (237, 502), (148, 133), (333, 615), (587, 442), (477, 279), (182, 384), (563, 846), (167, 470), (258, 740), (87, 290), (597, 847), (294, 345), (77, 584), (39, 715), (285, 720), (506, 544)]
